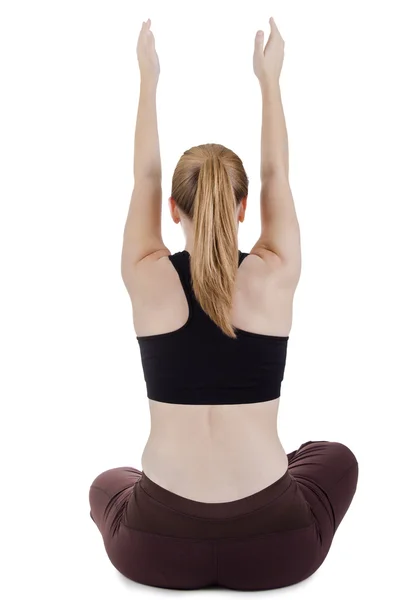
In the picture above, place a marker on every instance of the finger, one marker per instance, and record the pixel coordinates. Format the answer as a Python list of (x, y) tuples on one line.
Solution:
[(145, 31), (259, 40)]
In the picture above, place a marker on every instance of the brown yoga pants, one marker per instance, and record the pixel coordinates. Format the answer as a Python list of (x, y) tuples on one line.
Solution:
[(273, 538)]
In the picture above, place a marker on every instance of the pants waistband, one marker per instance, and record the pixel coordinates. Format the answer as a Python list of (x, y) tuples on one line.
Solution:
[(216, 509)]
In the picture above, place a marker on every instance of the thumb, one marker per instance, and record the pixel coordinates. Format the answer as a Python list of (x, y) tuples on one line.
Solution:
[(273, 26)]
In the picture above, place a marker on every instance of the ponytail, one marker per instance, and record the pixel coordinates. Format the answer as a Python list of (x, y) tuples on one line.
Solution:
[(214, 260)]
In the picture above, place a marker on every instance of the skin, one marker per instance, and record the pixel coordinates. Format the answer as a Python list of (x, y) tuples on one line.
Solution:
[(202, 452)]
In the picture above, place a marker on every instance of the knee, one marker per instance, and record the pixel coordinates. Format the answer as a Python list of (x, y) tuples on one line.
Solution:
[(109, 480), (345, 454), (336, 450), (98, 497), (114, 480), (101, 480)]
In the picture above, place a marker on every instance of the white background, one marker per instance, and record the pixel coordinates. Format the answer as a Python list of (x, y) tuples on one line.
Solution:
[(72, 391)]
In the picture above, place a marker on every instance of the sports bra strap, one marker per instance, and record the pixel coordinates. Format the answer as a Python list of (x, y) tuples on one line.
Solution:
[(180, 260), (241, 256)]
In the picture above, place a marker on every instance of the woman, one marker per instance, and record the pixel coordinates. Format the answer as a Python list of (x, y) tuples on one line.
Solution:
[(218, 501)]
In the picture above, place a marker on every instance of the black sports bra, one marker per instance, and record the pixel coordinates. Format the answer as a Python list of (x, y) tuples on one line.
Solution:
[(199, 364)]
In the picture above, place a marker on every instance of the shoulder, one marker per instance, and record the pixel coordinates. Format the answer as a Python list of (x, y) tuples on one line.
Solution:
[(152, 276), (264, 268), (264, 284)]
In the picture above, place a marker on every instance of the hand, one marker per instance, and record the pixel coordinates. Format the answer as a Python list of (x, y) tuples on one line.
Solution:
[(268, 62), (148, 60)]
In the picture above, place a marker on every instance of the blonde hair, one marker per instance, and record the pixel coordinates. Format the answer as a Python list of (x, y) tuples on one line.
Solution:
[(208, 184)]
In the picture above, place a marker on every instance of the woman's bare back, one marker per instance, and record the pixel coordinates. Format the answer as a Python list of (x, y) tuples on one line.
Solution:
[(213, 453)]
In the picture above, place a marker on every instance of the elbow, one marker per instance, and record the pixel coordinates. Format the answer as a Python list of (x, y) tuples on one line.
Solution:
[(276, 171)]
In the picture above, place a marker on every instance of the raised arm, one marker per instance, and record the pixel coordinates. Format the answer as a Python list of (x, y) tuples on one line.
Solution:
[(279, 241), (142, 231)]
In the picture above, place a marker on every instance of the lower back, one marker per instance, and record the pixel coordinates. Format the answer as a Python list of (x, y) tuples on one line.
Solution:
[(214, 453)]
